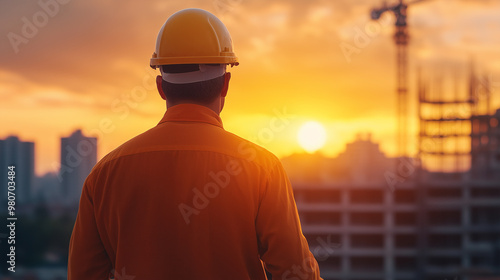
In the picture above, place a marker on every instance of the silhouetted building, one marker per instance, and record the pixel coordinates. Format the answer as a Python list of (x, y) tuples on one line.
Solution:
[(361, 162), (78, 157), (367, 216), (21, 155)]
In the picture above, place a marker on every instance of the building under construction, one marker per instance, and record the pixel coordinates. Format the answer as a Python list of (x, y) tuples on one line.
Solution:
[(433, 217)]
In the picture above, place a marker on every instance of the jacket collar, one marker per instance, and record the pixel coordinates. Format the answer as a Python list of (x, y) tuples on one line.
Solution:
[(191, 113)]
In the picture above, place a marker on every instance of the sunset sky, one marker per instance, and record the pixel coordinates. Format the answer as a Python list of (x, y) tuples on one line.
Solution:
[(87, 63)]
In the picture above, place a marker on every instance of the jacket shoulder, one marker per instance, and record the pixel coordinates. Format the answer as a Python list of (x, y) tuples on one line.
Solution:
[(252, 152)]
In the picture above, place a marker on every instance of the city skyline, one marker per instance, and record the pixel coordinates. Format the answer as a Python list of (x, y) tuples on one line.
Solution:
[(359, 224), (78, 155)]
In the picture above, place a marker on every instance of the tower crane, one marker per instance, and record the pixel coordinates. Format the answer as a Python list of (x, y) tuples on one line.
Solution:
[(401, 38)]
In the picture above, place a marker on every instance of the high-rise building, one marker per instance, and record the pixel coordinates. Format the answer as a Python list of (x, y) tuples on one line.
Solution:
[(21, 155), (78, 157)]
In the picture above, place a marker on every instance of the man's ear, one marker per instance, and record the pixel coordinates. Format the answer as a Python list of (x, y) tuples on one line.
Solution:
[(227, 77), (159, 81)]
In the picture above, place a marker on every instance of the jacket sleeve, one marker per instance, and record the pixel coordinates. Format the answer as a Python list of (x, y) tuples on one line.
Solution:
[(282, 246), (87, 256)]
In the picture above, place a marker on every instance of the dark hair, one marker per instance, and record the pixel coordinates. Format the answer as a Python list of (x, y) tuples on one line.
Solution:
[(199, 92)]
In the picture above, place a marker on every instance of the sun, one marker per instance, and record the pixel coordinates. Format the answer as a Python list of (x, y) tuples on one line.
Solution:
[(311, 136)]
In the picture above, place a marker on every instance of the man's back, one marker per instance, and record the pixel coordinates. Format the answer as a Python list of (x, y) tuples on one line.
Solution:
[(188, 200)]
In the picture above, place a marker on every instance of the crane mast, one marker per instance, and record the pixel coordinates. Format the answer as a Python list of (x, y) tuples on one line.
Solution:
[(401, 38)]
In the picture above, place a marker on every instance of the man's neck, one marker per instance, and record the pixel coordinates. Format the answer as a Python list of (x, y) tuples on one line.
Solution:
[(214, 106)]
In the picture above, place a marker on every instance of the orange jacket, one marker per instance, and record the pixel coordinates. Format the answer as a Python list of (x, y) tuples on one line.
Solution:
[(188, 200)]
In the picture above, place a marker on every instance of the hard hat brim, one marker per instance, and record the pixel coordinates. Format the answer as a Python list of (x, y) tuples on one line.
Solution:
[(157, 61)]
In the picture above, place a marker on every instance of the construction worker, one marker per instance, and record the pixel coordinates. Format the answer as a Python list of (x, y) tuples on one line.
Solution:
[(187, 199)]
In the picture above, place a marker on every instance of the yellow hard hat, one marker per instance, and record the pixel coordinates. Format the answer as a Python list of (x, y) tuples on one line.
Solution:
[(193, 36)]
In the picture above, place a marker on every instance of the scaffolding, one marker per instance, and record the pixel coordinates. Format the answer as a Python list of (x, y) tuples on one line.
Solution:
[(455, 126)]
